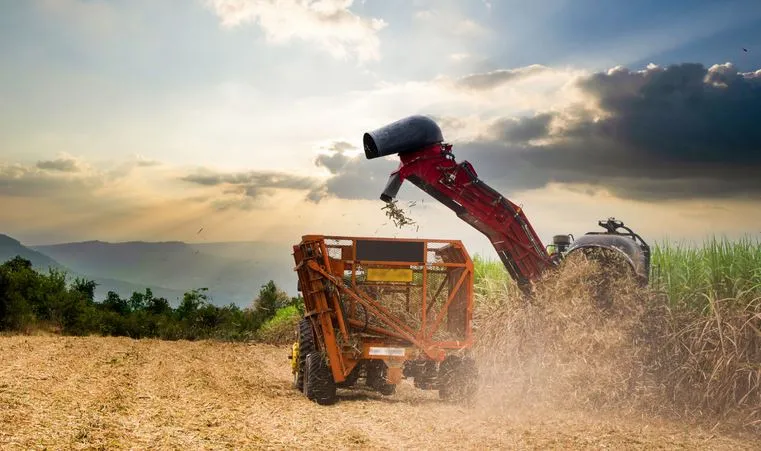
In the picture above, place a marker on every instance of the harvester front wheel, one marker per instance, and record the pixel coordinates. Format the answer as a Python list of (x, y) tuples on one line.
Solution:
[(319, 385), (458, 379), (306, 345)]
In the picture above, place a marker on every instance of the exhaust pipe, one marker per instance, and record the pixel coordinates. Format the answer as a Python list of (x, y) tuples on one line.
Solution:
[(405, 135)]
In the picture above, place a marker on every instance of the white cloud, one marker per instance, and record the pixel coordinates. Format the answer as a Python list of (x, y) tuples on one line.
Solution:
[(328, 23), (459, 56), (288, 135), (451, 22)]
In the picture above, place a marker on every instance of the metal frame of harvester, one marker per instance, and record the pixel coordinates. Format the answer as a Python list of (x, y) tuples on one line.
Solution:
[(336, 347), (383, 309)]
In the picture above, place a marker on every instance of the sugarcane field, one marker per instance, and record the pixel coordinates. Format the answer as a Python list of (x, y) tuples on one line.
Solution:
[(338, 224)]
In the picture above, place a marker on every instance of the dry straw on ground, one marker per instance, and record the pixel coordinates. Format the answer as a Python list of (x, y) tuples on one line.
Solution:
[(117, 393)]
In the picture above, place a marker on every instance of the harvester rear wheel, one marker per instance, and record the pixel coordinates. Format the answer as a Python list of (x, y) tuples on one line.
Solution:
[(319, 385), (376, 378), (352, 378), (306, 345), (458, 379)]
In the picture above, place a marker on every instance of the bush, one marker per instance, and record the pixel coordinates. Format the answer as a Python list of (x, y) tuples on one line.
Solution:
[(280, 329), (31, 300)]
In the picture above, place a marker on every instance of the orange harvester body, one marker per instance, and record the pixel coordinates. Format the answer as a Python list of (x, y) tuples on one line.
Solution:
[(406, 303)]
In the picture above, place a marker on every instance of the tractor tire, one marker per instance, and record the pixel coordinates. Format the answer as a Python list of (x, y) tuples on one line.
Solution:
[(319, 385), (306, 345), (458, 379), (376, 378), (352, 378)]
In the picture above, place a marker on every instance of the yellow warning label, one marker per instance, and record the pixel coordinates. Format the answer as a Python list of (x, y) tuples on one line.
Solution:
[(389, 275)]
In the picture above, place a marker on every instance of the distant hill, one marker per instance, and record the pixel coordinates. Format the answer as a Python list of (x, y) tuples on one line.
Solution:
[(233, 272), (10, 248)]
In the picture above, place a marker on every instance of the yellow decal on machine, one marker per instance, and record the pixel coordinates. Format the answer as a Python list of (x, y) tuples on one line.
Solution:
[(389, 275)]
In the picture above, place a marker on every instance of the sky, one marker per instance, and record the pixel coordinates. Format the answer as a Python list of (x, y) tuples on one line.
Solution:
[(141, 120)]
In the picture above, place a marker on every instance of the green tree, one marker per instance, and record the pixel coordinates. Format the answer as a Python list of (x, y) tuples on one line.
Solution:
[(270, 299), (86, 287), (191, 302), (137, 301), (15, 310), (157, 306), (116, 304)]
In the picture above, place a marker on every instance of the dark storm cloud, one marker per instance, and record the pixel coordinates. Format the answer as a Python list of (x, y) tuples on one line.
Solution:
[(524, 129), (338, 159), (251, 180), (242, 189), (682, 113), (60, 164), (678, 132), (490, 80), (354, 177)]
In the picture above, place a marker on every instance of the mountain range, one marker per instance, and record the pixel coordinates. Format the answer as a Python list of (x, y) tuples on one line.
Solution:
[(232, 271)]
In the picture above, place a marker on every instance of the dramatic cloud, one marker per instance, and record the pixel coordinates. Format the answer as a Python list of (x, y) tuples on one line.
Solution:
[(353, 176), (335, 162), (143, 162), (493, 79), (328, 23), (523, 129), (680, 114), (60, 164), (49, 178), (679, 132), (244, 189)]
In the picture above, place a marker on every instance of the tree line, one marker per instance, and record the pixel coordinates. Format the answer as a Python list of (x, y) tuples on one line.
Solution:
[(31, 300)]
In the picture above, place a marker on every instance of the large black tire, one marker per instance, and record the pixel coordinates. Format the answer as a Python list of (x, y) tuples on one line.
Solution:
[(306, 345), (352, 378), (319, 385), (458, 379), (376, 378)]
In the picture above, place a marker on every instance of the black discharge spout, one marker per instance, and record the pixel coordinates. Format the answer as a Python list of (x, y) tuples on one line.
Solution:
[(406, 135)]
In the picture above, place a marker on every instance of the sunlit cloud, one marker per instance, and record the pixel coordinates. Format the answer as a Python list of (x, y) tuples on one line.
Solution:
[(330, 24)]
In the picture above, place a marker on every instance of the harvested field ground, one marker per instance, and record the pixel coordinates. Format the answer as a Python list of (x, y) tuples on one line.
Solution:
[(114, 393)]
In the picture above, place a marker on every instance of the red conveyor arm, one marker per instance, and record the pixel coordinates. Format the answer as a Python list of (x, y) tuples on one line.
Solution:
[(456, 185)]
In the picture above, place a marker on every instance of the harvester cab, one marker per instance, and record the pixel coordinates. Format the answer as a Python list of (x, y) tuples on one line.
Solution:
[(381, 310)]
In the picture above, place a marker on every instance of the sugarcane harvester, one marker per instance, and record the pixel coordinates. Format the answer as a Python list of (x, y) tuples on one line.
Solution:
[(427, 161), (384, 309)]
